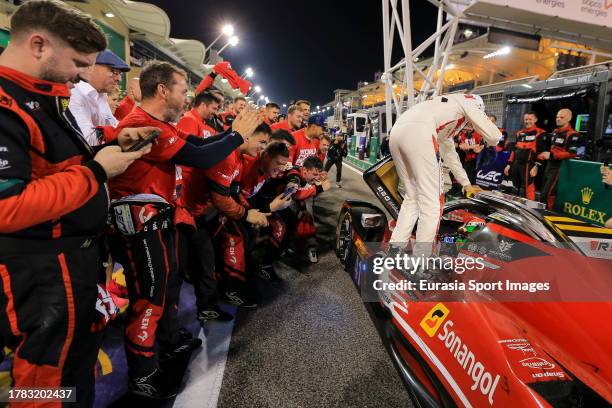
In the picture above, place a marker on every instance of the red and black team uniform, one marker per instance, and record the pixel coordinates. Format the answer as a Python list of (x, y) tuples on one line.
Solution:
[(303, 147), (195, 251), (472, 139), (252, 180), (124, 108), (564, 144), (523, 158), (53, 206), (142, 213), (230, 229)]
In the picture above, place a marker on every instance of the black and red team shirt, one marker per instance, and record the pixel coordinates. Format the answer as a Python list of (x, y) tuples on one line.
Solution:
[(564, 143), (474, 140), (154, 173), (527, 144), (228, 119), (303, 148), (49, 185), (224, 182)]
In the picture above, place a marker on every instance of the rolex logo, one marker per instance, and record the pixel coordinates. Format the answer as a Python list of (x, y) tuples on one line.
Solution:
[(587, 195)]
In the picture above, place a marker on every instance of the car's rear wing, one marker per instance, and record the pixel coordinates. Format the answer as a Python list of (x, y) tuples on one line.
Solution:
[(382, 178)]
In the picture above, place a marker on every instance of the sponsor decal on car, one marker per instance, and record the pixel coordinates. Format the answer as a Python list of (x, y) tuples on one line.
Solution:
[(484, 381), (434, 319), (537, 362)]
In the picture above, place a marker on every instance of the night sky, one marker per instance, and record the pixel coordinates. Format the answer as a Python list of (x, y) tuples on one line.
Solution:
[(300, 49)]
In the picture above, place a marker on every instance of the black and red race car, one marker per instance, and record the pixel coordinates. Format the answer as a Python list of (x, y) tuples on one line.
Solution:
[(473, 349)]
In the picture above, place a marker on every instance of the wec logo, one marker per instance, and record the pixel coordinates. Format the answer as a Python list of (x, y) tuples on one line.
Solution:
[(490, 176)]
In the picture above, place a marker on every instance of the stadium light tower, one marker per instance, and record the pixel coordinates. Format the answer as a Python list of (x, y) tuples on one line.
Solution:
[(233, 41), (227, 30), (248, 72)]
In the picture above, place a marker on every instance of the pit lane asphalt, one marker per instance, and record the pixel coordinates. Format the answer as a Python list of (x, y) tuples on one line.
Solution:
[(311, 342)]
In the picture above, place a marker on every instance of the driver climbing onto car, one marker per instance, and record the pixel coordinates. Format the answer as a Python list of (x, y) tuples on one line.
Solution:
[(421, 136)]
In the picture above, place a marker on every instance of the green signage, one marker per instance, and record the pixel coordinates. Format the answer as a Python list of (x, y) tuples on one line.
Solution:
[(581, 193), (4, 38)]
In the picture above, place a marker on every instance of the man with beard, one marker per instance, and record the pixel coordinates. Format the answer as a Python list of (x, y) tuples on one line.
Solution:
[(271, 113), (53, 202), (142, 214)]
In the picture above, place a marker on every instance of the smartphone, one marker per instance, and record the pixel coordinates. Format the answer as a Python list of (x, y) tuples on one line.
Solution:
[(143, 142), (289, 191)]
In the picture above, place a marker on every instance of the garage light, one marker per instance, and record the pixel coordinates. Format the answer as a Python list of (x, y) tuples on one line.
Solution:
[(502, 51)]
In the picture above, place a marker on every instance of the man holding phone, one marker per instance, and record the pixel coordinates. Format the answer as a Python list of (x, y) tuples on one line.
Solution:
[(142, 213)]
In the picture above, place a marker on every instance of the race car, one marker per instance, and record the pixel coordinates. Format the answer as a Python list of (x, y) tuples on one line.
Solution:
[(479, 349)]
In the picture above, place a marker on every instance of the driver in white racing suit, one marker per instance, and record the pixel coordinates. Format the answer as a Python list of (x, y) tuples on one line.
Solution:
[(421, 136)]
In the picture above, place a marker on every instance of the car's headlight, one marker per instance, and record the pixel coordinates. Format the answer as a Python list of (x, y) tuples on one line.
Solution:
[(371, 220)]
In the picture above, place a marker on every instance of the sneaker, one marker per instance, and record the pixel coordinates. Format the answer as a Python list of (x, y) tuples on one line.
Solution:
[(313, 256), (152, 386), (339, 184), (214, 314), (186, 345), (268, 273), (239, 299)]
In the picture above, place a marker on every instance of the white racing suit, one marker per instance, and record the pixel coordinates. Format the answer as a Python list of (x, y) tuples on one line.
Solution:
[(420, 137)]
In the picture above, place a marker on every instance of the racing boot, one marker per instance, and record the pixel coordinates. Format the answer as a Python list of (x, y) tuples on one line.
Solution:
[(186, 345), (268, 273), (239, 298), (153, 385), (214, 314)]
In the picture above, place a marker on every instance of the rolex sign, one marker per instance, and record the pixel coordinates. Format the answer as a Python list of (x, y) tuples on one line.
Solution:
[(581, 193)]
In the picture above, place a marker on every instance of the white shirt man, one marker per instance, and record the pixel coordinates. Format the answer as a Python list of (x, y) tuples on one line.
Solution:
[(89, 99)]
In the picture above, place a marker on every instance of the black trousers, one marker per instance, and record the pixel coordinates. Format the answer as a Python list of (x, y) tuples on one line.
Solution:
[(197, 260), (48, 302), (338, 164), (149, 261)]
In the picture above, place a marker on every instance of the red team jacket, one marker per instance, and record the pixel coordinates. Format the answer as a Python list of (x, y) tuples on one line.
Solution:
[(154, 173), (126, 106)]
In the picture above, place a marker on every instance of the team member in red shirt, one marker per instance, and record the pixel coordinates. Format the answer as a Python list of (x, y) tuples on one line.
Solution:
[(471, 143), (304, 106), (228, 117), (142, 216), (205, 106), (232, 224), (128, 103), (523, 164), (564, 145), (307, 140), (257, 171), (310, 181), (293, 121), (271, 113)]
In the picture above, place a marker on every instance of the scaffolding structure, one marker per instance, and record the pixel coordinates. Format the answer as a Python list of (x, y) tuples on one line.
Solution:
[(442, 40)]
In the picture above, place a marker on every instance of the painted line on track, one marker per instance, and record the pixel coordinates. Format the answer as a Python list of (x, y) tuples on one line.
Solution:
[(206, 369)]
